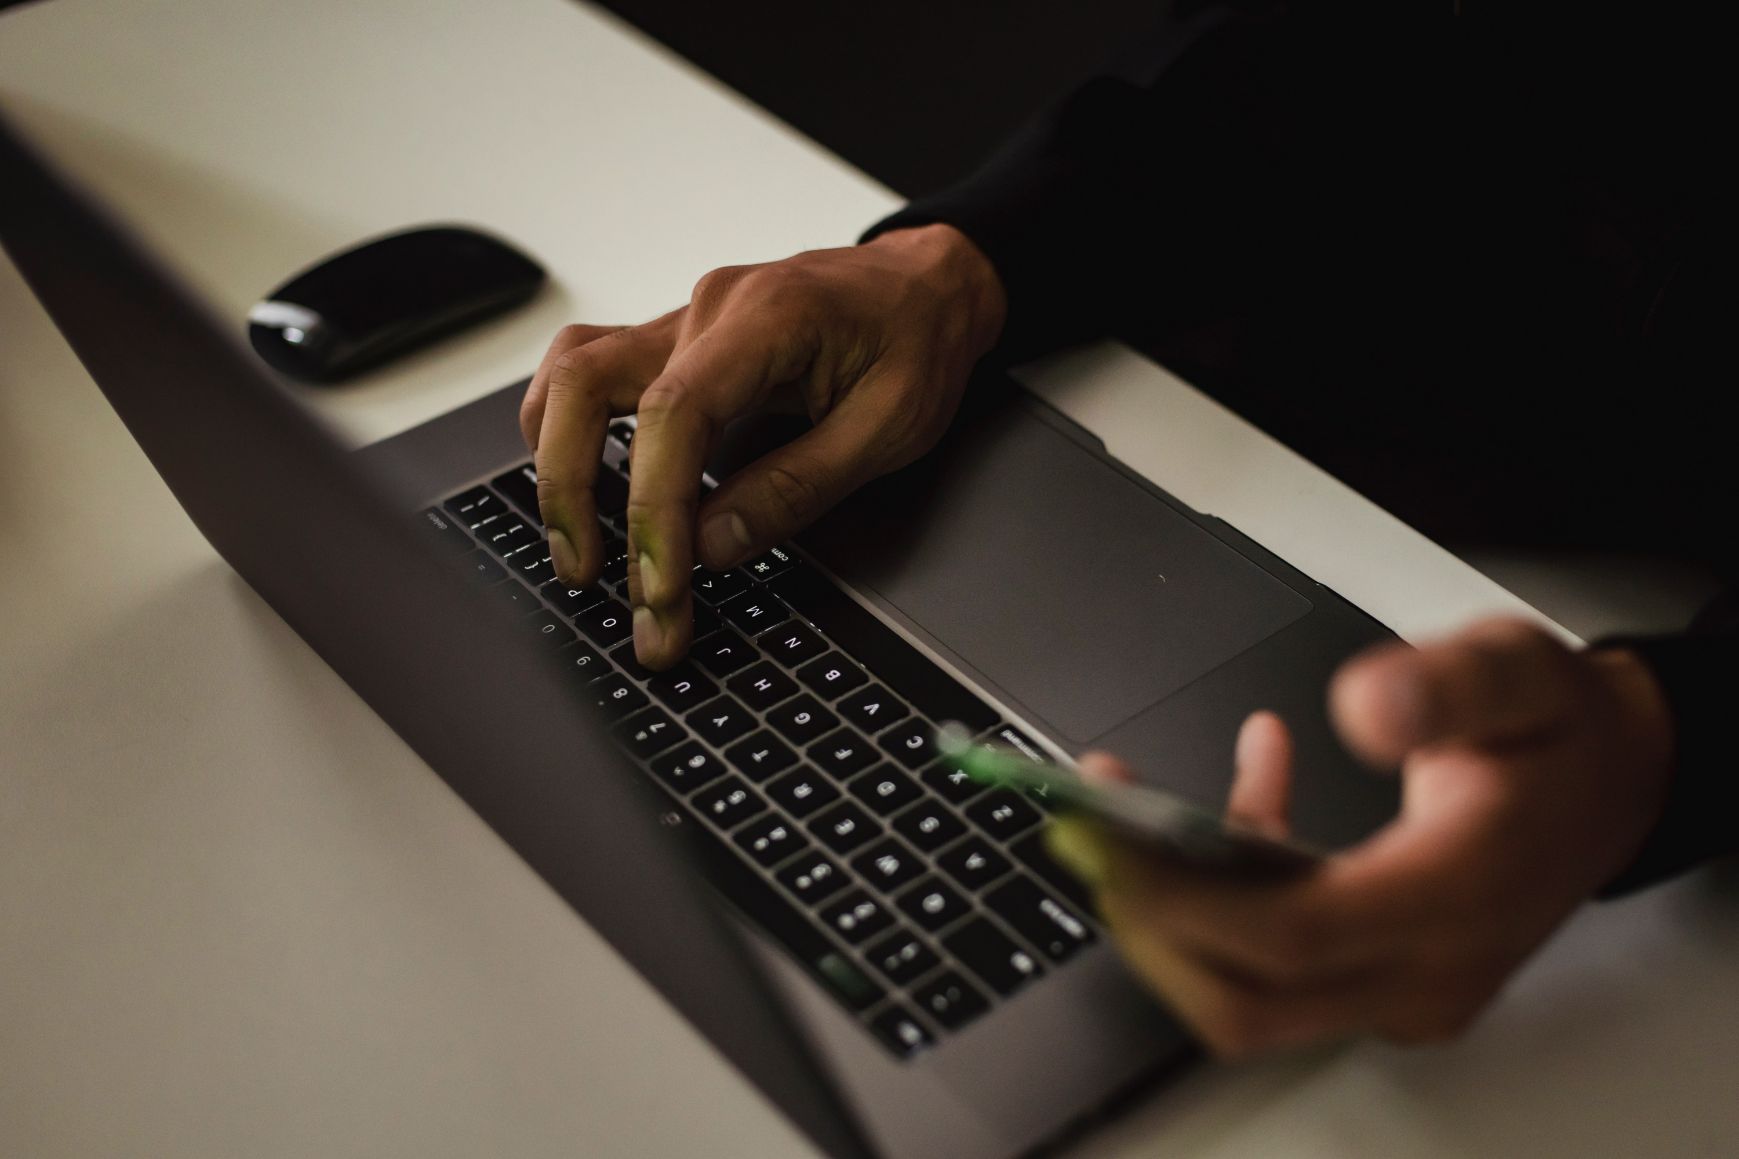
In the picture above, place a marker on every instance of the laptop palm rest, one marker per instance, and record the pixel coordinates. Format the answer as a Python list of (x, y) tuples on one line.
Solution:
[(1077, 590)]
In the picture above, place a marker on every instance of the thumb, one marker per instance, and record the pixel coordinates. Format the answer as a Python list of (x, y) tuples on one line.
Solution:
[(786, 490)]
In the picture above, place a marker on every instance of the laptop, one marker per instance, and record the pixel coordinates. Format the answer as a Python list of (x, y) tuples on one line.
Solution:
[(764, 832)]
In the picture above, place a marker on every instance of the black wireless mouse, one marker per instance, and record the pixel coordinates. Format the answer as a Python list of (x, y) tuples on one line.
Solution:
[(366, 305)]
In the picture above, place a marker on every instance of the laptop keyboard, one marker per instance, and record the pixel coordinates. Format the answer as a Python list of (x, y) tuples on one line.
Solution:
[(796, 746)]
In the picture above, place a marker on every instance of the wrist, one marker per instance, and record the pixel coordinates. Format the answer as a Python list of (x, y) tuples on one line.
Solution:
[(1645, 724), (958, 270)]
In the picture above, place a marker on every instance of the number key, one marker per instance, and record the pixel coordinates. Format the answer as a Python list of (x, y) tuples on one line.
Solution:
[(771, 840), (728, 803)]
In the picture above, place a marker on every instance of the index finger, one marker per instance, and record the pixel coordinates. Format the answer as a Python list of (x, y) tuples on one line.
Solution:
[(583, 388), (723, 373)]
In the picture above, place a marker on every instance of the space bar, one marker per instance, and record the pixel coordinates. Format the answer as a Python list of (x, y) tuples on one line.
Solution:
[(879, 648)]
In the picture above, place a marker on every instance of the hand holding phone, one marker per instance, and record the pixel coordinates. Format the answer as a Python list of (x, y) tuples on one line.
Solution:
[(1163, 822)]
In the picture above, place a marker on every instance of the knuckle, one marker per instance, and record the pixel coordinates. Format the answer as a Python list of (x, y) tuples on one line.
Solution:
[(572, 335), (715, 284), (666, 394), (793, 493), (572, 364)]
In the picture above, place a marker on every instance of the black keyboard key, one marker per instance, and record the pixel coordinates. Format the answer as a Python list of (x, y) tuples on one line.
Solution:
[(606, 624), (444, 531), (1003, 815), (622, 432), (571, 601), (473, 506), (483, 570), (775, 914), (993, 956), (949, 783), (872, 709), (728, 803), (845, 827), (648, 733), (774, 561), (812, 878), (912, 743), (801, 720), (554, 631), (885, 789), (856, 916), (615, 574), (933, 904), (584, 663), (706, 622), (771, 839), (831, 675), (520, 486), (929, 825), (715, 587), (888, 865), (723, 653), (1040, 918), (762, 686), (760, 756), (1031, 852), (625, 659), (687, 767), (682, 687), (754, 612), (950, 1000), (609, 491), (531, 563), (913, 676), (1008, 736), (842, 754), (509, 532), (974, 863), (802, 791), (615, 695), (902, 957), (902, 1033), (792, 644), (720, 721)]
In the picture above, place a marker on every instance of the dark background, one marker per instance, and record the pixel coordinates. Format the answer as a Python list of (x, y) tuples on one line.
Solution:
[(913, 92)]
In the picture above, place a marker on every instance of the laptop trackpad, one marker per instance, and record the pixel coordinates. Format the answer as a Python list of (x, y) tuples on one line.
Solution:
[(1069, 585)]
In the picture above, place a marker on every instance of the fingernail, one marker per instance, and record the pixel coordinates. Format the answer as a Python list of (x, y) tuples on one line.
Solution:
[(650, 591), (648, 636), (725, 538), (1078, 849), (562, 556)]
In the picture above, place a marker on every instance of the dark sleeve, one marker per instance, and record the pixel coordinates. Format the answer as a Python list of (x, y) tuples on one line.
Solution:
[(1699, 672), (1249, 134)]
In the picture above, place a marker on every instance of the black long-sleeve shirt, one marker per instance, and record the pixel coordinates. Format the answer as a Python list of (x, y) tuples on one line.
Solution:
[(1476, 258)]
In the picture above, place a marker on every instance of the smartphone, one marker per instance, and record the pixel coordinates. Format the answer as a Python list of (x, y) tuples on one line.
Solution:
[(1172, 827)]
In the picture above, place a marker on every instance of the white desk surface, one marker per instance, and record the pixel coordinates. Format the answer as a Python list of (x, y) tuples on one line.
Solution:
[(237, 916)]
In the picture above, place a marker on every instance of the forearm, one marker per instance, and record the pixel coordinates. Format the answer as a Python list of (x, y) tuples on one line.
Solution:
[(1251, 140)]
